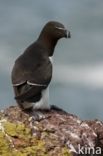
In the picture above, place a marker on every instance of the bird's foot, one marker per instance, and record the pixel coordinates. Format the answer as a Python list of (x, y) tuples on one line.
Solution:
[(37, 115)]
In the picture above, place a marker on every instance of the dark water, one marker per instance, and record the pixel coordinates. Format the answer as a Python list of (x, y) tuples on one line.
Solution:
[(77, 84)]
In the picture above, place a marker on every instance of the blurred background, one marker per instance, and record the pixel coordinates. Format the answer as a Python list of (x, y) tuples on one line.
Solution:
[(77, 84)]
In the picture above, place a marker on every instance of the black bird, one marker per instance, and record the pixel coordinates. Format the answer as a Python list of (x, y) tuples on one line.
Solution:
[(32, 71)]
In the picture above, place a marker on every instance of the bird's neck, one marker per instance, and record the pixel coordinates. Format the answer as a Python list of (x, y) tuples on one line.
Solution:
[(49, 44)]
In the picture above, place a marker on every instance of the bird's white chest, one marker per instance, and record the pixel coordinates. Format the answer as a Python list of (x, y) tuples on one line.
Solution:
[(44, 101), (51, 59)]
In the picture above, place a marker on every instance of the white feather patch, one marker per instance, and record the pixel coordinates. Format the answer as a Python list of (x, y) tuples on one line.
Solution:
[(44, 101), (51, 59)]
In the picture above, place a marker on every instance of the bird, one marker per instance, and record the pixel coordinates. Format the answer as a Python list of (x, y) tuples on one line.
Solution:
[(32, 70)]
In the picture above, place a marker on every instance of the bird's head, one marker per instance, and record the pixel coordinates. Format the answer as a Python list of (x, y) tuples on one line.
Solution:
[(51, 33), (55, 30)]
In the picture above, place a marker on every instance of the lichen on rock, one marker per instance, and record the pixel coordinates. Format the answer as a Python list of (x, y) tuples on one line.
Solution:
[(18, 138)]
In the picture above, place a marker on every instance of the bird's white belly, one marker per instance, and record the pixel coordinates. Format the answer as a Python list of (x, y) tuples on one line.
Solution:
[(44, 101)]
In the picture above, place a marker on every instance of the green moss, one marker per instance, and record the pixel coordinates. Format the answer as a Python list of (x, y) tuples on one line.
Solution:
[(16, 140), (10, 128), (36, 150), (39, 148), (5, 149), (65, 152), (16, 130), (4, 144)]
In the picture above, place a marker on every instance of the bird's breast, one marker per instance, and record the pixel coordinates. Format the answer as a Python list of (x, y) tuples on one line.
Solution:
[(51, 59)]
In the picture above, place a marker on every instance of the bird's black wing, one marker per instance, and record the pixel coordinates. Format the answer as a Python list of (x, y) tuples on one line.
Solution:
[(30, 78)]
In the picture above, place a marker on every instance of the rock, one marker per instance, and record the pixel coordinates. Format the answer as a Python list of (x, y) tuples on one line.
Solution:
[(57, 134)]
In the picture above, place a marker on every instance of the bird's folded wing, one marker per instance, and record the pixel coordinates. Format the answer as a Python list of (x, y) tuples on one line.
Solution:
[(30, 82), (28, 91), (32, 72)]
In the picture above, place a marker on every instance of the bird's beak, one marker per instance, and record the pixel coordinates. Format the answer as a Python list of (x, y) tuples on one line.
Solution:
[(67, 34)]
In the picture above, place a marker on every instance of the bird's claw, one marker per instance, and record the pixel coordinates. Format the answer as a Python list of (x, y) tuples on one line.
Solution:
[(37, 115)]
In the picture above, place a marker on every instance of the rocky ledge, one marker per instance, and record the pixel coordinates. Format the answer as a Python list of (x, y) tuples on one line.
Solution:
[(56, 134)]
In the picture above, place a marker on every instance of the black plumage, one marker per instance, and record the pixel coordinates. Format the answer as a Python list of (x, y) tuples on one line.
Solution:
[(32, 71)]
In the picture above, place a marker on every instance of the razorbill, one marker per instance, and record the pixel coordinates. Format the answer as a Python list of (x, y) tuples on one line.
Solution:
[(32, 71)]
